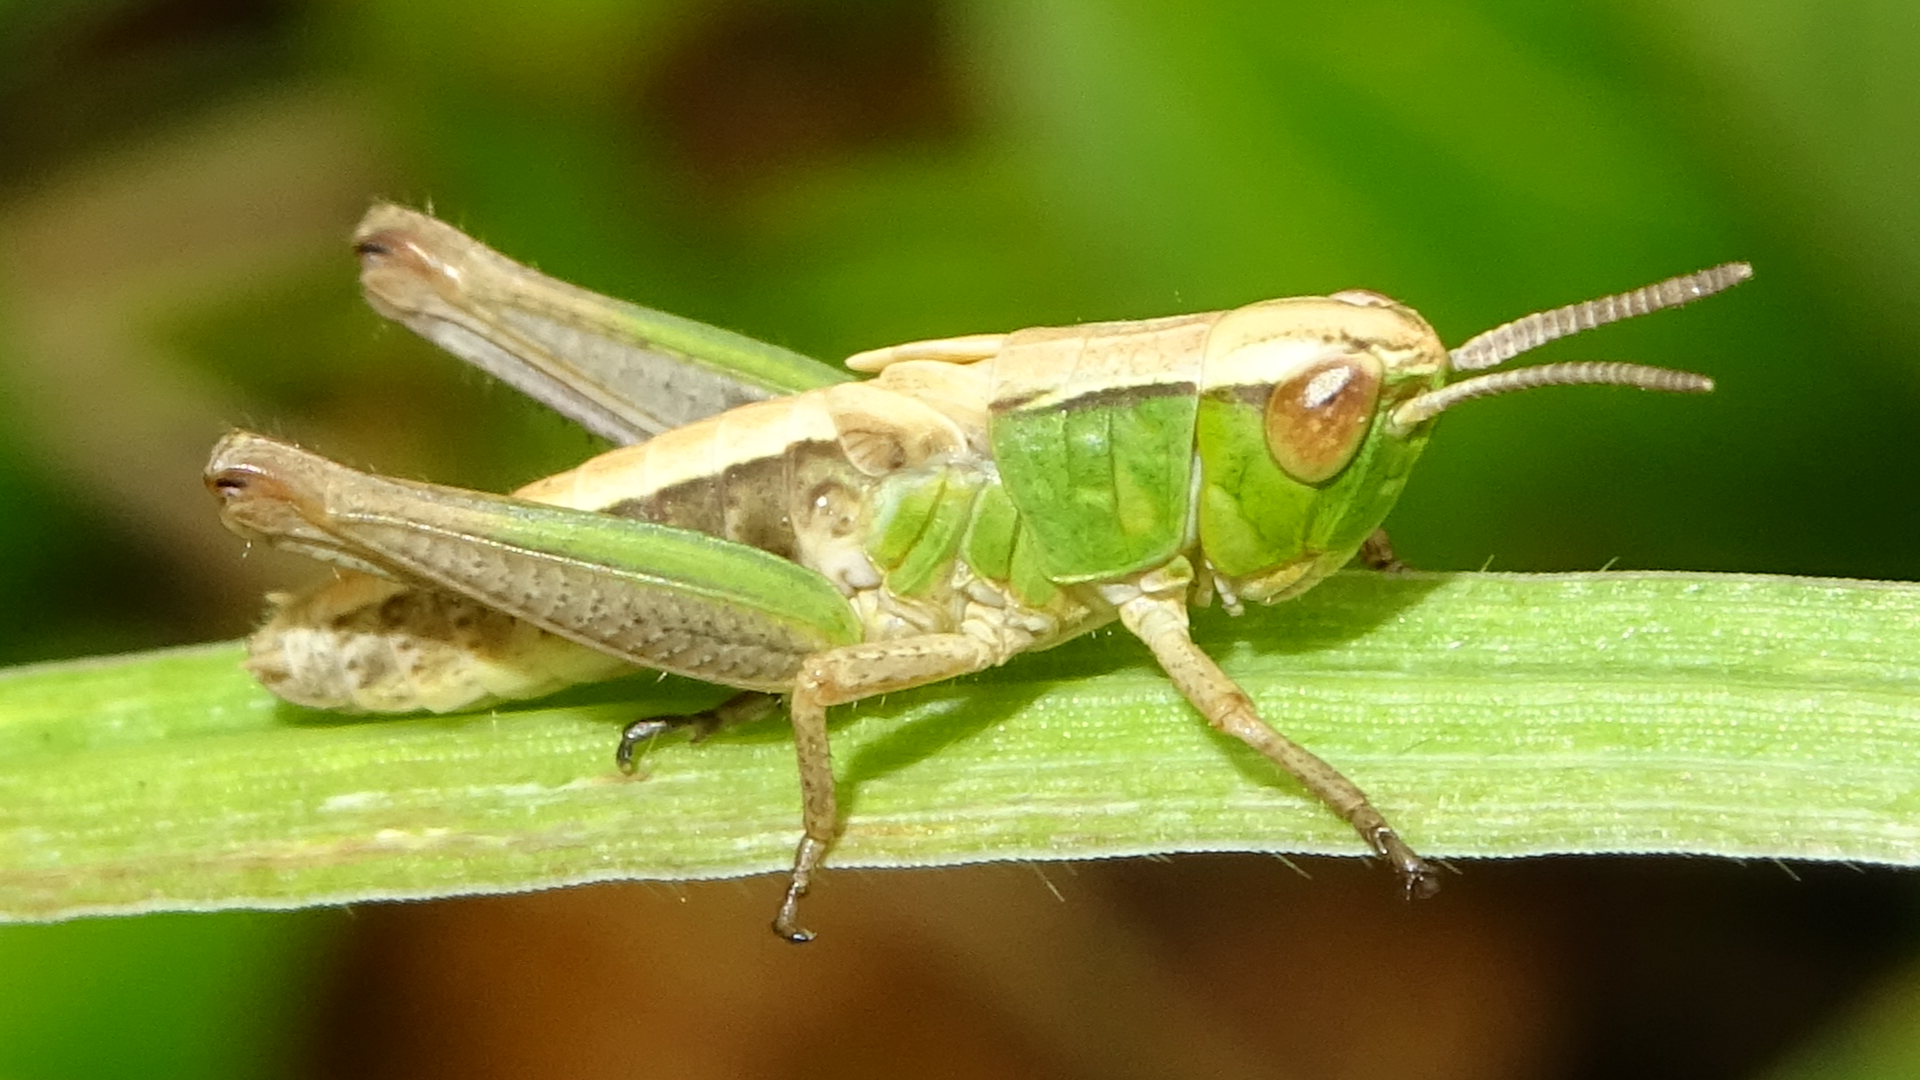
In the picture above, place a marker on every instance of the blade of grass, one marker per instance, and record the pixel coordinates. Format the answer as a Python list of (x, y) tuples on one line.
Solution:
[(1488, 715)]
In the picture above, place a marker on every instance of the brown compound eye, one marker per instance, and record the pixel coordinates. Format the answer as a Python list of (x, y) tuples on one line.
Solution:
[(1317, 419)]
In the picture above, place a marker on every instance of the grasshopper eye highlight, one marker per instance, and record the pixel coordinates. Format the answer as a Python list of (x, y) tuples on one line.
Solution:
[(1316, 420)]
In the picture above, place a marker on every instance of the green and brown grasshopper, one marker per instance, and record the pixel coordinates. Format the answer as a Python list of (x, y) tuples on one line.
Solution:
[(776, 528)]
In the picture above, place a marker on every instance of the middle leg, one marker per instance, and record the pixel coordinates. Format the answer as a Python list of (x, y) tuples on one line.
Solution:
[(836, 677)]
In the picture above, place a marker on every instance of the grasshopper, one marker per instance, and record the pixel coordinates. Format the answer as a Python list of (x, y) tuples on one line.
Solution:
[(775, 528)]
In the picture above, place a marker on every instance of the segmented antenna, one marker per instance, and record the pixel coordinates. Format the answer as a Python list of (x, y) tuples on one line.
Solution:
[(1510, 340), (1578, 373)]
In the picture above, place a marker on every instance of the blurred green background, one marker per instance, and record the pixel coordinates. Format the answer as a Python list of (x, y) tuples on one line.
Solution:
[(177, 179)]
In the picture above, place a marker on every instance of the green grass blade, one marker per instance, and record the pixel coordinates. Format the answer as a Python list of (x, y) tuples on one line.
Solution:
[(1488, 715)]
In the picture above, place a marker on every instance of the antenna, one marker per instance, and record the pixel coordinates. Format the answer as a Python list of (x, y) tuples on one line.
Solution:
[(1578, 373), (1532, 331), (1507, 341)]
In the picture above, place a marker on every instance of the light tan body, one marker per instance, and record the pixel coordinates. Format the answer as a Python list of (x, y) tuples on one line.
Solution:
[(1087, 466), (796, 476)]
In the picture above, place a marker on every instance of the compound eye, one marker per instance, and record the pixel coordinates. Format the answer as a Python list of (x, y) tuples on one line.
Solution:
[(1317, 419)]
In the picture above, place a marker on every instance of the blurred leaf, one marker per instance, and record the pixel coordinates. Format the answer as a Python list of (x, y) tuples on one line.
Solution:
[(200, 997), (1878, 1039)]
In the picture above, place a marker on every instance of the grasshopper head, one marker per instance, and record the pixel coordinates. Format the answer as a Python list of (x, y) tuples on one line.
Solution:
[(1315, 408)]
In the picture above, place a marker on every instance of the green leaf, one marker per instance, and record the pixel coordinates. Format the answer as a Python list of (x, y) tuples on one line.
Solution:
[(1487, 714)]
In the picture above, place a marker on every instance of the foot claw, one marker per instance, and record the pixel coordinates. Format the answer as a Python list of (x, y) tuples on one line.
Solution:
[(1422, 878), (638, 733), (795, 935), (1376, 553), (787, 922), (806, 859)]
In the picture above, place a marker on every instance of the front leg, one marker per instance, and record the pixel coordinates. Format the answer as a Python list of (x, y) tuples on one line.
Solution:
[(1376, 553), (1155, 609), (835, 677)]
